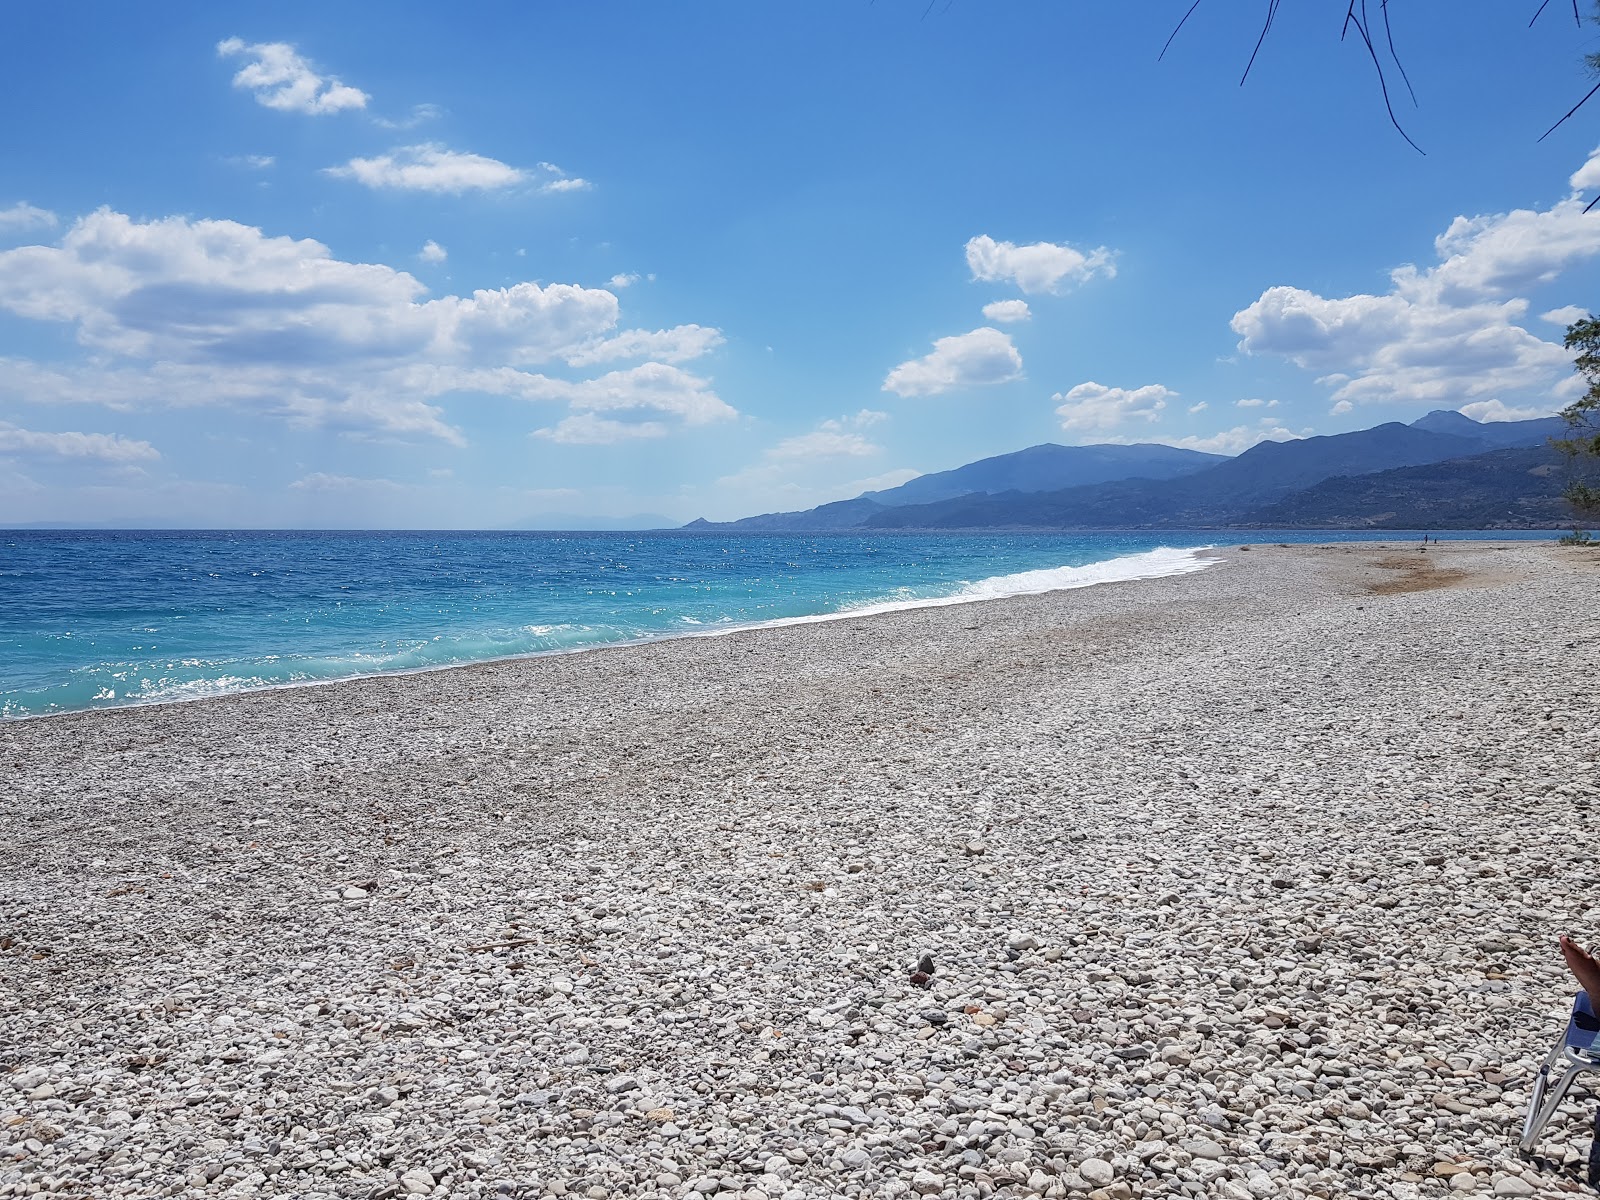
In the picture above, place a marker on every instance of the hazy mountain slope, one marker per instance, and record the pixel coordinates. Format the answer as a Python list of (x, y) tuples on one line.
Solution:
[(1503, 489), (1048, 468), (1218, 495), (1498, 434)]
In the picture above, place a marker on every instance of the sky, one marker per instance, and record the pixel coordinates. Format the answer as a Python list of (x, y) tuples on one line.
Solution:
[(595, 264)]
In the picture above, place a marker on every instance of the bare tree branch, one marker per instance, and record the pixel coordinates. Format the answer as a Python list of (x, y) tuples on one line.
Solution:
[(1362, 23), (1272, 11), (1350, 19), (1389, 33), (1186, 16), (1573, 109)]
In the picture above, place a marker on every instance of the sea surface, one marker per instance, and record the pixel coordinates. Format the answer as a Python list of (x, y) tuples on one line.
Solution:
[(98, 619)]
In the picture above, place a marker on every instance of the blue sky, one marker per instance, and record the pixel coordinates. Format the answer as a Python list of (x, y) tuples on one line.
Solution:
[(352, 266)]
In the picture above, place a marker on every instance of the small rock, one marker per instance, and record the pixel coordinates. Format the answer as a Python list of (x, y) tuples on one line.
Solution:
[(1096, 1171)]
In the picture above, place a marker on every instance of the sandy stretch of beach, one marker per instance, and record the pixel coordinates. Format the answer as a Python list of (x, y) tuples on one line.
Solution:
[(1240, 884)]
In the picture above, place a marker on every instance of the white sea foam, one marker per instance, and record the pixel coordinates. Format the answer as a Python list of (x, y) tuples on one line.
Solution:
[(1152, 564), (1162, 561)]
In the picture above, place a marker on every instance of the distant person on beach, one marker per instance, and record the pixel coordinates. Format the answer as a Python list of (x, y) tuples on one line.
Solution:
[(1583, 965)]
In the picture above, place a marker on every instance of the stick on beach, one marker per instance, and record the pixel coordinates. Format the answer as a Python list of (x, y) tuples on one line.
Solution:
[(1243, 883)]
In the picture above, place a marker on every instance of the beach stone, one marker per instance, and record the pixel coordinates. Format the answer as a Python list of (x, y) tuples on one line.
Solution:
[(1512, 1185), (416, 1182), (700, 990), (1096, 1172)]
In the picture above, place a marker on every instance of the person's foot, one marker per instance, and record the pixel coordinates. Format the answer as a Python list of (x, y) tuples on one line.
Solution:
[(1584, 968)]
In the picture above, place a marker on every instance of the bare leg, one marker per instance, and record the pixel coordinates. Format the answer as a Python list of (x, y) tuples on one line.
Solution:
[(1583, 965)]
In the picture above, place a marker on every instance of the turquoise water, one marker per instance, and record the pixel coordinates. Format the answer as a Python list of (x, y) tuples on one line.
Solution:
[(95, 619)]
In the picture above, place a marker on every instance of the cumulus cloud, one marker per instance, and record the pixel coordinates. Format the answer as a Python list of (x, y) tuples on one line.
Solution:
[(981, 358), (567, 183), (1587, 177), (836, 438), (1199, 407), (1007, 311), (648, 389), (1253, 403), (1339, 409), (430, 167), (815, 467), (586, 429), (22, 216), (1040, 267), (178, 312), (282, 79), (100, 447), (1495, 410), (1094, 406), (623, 279), (432, 252), (1239, 438), (679, 344), (1564, 316), (1442, 333)]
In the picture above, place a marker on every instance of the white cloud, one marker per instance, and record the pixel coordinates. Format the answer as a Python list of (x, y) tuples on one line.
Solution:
[(1563, 317), (1199, 407), (1094, 406), (1339, 409), (1494, 410), (811, 468), (251, 162), (623, 279), (558, 180), (679, 344), (1237, 439), (177, 312), (101, 447), (649, 389), (1007, 311), (281, 79), (432, 252), (980, 358), (1442, 334), (420, 113), (837, 438), (430, 167), (1253, 403), (1040, 267), (1587, 177), (321, 481), (23, 216), (586, 429)]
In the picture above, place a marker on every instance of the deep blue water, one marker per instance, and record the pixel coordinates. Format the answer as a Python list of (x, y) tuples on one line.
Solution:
[(92, 619)]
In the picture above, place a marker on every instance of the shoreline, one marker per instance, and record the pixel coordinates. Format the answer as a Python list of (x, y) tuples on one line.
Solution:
[(641, 924), (870, 609)]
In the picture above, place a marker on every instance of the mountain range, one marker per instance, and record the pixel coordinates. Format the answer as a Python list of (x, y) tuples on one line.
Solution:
[(1444, 470)]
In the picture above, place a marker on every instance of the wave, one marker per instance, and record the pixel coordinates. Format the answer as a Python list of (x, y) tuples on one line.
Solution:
[(123, 684), (1151, 564)]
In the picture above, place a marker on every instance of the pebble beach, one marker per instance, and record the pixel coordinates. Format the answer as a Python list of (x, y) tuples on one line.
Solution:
[(1241, 884)]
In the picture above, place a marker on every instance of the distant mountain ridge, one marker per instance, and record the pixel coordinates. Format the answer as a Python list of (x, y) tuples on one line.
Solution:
[(1040, 468), (1046, 467), (1311, 481)]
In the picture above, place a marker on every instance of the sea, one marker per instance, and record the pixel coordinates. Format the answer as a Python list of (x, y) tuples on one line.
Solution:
[(94, 619)]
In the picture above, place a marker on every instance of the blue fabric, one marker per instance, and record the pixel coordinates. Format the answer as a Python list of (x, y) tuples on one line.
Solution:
[(1584, 1027)]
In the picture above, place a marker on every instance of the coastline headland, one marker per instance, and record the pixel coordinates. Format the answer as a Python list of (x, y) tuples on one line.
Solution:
[(1242, 883)]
